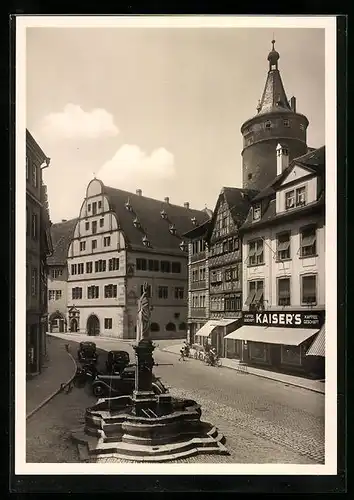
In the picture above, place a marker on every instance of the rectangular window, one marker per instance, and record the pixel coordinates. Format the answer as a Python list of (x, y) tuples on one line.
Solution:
[(309, 290), (257, 211), (286, 123), (87, 226), (113, 264), (301, 196), (80, 268), (141, 264), (228, 274), (34, 226), (51, 294), (100, 205), (165, 266), (76, 293), (289, 199), (255, 252), (82, 246), (283, 291), (94, 208), (162, 292), (100, 266), (110, 291), (255, 293), (107, 241), (94, 244), (73, 269), (235, 273), (58, 294), (179, 292), (108, 323), (34, 281), (89, 267), (93, 292), (89, 207), (55, 273), (101, 222), (176, 267), (34, 175), (308, 242), (94, 226), (283, 246), (149, 291)]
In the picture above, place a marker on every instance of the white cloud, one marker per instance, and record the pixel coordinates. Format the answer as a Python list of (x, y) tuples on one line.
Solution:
[(75, 123), (131, 168)]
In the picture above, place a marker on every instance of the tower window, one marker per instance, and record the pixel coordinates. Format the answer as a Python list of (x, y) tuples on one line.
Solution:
[(302, 126), (268, 124), (286, 123), (250, 176)]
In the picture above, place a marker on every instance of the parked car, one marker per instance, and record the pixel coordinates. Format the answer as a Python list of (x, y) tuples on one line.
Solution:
[(87, 352), (123, 383), (117, 361)]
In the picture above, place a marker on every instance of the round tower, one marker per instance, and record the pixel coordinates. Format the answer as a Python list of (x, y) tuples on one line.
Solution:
[(276, 122)]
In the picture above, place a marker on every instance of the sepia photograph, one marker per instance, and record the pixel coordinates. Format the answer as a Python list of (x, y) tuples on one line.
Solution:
[(177, 217)]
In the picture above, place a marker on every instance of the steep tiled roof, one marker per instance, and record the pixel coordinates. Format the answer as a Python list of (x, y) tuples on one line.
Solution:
[(148, 212), (239, 200), (199, 231), (315, 160), (274, 97), (61, 234)]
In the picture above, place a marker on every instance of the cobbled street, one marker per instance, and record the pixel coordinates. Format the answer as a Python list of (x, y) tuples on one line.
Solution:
[(263, 421)]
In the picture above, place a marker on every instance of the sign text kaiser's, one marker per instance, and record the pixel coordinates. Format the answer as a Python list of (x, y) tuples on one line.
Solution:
[(291, 319)]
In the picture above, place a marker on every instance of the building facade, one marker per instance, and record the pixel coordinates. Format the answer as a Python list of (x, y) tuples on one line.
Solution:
[(276, 121), (284, 266), (38, 248), (120, 241)]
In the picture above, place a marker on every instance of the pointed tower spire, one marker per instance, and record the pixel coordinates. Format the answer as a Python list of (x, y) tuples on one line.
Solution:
[(273, 97)]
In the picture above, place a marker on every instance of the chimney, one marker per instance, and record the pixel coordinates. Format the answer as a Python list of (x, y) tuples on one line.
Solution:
[(186, 204), (282, 158), (139, 192), (167, 200), (293, 104)]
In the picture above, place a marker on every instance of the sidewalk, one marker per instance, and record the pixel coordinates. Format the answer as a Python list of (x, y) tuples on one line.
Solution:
[(58, 368), (304, 383)]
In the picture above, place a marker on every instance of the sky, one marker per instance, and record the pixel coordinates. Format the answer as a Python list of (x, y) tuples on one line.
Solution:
[(158, 109)]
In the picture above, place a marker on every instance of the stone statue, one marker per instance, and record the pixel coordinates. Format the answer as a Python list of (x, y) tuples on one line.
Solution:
[(143, 319)]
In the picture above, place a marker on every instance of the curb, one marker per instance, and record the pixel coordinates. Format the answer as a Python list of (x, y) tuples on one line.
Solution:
[(46, 400), (318, 391)]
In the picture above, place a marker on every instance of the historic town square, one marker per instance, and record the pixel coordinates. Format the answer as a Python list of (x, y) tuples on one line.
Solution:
[(175, 246)]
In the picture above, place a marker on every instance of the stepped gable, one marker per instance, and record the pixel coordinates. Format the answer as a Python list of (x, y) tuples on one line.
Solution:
[(61, 234), (148, 212)]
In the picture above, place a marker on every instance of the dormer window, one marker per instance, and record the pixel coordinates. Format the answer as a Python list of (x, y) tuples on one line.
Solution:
[(301, 196), (172, 229), (183, 246), (290, 199), (136, 222), (256, 212), (194, 221), (128, 205), (268, 124), (295, 198), (163, 214), (146, 241)]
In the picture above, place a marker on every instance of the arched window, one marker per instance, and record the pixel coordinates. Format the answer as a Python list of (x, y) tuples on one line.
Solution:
[(182, 326), (170, 327), (268, 124), (154, 327)]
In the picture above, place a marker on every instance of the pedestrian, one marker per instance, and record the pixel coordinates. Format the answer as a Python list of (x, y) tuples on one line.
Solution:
[(181, 357)]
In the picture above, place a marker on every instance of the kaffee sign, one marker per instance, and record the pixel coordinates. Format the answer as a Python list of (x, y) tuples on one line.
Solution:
[(287, 319)]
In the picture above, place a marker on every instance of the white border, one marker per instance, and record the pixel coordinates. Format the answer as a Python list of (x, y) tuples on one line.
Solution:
[(329, 24)]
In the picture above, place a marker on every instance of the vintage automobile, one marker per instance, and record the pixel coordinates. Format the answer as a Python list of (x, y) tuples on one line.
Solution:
[(87, 352), (123, 383), (117, 361)]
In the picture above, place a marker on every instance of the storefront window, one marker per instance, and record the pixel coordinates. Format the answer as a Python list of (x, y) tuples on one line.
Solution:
[(258, 352), (291, 355), (233, 349)]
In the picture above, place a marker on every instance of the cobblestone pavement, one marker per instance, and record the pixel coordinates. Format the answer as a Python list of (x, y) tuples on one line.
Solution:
[(263, 421)]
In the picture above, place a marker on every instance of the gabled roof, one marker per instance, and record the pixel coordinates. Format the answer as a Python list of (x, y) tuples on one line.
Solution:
[(148, 212), (314, 161), (199, 231), (61, 234)]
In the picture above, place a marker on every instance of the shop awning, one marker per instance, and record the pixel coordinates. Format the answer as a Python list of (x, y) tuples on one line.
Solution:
[(206, 329), (269, 335), (318, 347)]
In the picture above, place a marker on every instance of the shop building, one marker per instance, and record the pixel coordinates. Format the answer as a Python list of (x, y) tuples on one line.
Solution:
[(58, 318), (284, 268), (38, 248), (122, 240)]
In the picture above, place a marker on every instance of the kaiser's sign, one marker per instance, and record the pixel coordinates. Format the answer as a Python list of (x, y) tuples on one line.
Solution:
[(289, 319)]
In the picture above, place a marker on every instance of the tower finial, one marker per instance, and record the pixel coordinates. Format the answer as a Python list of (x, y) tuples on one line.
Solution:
[(273, 42)]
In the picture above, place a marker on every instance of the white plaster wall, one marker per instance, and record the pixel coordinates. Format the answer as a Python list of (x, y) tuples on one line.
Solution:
[(311, 193), (114, 312)]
